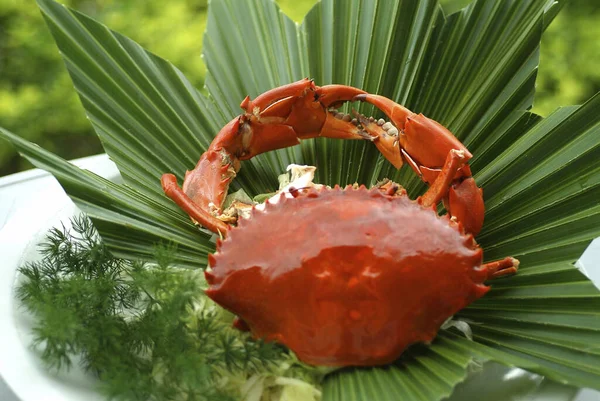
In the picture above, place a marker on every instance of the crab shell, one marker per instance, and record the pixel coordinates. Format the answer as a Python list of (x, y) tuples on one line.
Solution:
[(346, 277)]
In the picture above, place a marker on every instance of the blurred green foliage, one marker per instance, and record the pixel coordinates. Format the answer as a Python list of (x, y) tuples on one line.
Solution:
[(569, 72), (37, 100)]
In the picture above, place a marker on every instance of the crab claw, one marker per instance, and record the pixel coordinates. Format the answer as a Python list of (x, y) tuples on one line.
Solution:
[(425, 144), (425, 141), (270, 97), (396, 112), (300, 110), (278, 101), (384, 136), (276, 119), (335, 95)]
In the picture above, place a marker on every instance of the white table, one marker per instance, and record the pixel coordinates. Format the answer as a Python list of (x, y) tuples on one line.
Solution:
[(35, 189)]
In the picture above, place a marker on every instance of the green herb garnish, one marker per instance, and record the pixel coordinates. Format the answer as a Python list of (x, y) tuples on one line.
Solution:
[(147, 331)]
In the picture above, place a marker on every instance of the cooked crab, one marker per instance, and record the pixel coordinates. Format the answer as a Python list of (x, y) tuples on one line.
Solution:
[(342, 276)]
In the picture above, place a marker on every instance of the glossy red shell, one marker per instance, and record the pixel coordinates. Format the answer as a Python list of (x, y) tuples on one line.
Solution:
[(346, 277)]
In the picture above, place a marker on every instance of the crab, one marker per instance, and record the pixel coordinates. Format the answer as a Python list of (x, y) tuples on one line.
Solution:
[(342, 276)]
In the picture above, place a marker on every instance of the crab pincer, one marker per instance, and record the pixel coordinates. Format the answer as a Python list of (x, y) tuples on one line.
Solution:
[(276, 119), (424, 144)]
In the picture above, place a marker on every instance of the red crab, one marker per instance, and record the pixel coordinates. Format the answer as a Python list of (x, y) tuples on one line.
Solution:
[(342, 276)]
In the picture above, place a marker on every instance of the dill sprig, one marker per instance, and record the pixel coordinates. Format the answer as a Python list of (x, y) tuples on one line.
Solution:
[(145, 330)]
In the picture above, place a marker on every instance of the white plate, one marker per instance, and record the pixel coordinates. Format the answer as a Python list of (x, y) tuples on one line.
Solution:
[(19, 365), (31, 203), (43, 205)]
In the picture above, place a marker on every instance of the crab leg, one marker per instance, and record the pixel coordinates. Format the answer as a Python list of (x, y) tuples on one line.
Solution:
[(465, 202), (173, 191), (501, 268), (496, 269), (440, 187)]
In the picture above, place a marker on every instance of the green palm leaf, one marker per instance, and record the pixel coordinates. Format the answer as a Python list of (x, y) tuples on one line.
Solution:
[(473, 71), (129, 221)]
